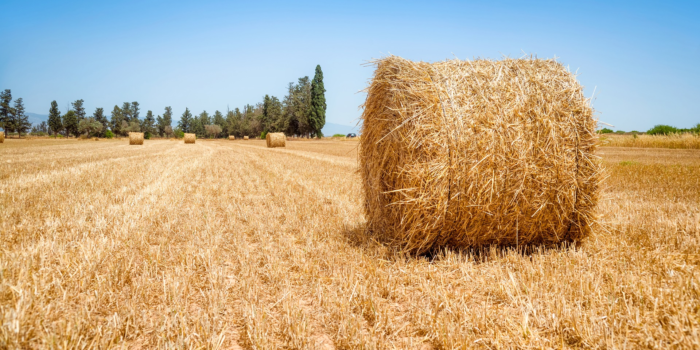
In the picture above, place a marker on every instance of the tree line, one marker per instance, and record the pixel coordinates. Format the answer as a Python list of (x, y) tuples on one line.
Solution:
[(13, 117), (302, 112)]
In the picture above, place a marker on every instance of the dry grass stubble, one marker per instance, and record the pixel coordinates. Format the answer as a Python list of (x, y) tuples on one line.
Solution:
[(221, 245)]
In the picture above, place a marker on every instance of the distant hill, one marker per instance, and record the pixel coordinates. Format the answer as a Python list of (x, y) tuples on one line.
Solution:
[(331, 128), (36, 119)]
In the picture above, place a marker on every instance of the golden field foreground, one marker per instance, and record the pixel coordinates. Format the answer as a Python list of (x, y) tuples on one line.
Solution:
[(228, 244)]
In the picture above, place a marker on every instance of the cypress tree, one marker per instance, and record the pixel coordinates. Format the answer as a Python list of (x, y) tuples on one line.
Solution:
[(55, 119), (317, 117)]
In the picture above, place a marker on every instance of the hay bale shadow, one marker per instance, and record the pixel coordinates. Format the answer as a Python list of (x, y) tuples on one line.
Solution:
[(359, 236)]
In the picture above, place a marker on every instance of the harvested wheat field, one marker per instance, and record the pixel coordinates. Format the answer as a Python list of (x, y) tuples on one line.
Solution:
[(238, 246)]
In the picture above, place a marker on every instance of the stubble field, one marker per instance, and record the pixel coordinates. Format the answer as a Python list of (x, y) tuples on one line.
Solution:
[(227, 244)]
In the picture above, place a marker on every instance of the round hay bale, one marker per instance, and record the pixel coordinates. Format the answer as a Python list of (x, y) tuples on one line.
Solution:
[(2, 137), (190, 138), (136, 138), (474, 153), (275, 139), (245, 137), (231, 137)]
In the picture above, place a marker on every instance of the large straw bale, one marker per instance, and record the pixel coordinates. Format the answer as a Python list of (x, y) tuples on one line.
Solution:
[(136, 138), (190, 138), (473, 153), (245, 137), (275, 139), (2, 137), (231, 137)]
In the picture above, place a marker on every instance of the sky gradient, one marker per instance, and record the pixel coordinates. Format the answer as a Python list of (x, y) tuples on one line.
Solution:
[(640, 57)]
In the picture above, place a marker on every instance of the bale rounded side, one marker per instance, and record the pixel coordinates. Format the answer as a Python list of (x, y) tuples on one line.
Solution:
[(136, 138), (275, 139), (2, 137), (472, 153), (190, 138), (245, 137), (231, 137)]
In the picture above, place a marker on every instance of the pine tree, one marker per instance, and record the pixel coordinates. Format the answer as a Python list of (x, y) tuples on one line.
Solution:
[(276, 119), (168, 116), (265, 120), (79, 109), (165, 121), (233, 121), (99, 116), (185, 123), (20, 120), (126, 112), (302, 103), (219, 120), (5, 108), (317, 110), (288, 113), (135, 110), (198, 127), (70, 123), (204, 118), (116, 120), (149, 124), (55, 123)]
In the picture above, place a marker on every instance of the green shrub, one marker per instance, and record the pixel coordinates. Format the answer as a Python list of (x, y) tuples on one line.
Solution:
[(179, 133), (109, 134), (147, 135), (619, 132), (338, 135), (662, 130), (605, 131), (263, 134), (695, 129)]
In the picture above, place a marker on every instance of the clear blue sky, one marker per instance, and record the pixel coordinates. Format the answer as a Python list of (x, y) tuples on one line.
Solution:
[(642, 57)]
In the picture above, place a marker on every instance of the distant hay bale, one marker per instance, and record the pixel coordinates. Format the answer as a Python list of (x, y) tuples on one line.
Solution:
[(231, 137), (245, 137), (190, 138), (2, 137), (136, 138), (473, 153), (275, 139), (95, 139)]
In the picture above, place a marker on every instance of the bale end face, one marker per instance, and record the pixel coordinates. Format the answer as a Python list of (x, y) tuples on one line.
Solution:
[(245, 137), (2, 137), (190, 138), (136, 138), (275, 139), (474, 153), (231, 137)]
